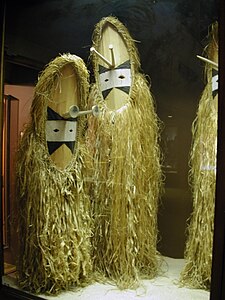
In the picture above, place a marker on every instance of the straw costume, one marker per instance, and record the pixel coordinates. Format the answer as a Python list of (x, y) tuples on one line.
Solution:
[(197, 271), (127, 176), (54, 225)]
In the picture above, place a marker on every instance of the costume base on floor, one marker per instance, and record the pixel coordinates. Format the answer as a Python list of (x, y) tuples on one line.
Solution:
[(127, 175)]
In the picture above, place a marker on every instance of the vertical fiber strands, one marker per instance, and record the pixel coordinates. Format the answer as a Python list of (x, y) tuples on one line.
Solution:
[(197, 271), (127, 176), (54, 225)]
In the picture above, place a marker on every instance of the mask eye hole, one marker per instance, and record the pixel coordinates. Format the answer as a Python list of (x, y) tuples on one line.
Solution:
[(121, 76), (56, 130), (71, 130), (106, 79)]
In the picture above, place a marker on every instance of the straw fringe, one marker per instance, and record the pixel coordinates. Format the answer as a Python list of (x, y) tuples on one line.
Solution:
[(127, 179), (55, 224), (198, 253), (127, 184)]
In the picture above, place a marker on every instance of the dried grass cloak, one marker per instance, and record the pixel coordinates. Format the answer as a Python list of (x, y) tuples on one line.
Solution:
[(198, 253), (127, 177), (54, 225)]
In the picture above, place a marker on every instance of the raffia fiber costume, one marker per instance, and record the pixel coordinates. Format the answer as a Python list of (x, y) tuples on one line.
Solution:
[(127, 175), (198, 253), (54, 225)]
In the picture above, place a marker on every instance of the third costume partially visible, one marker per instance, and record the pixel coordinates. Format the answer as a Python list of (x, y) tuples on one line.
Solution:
[(197, 272)]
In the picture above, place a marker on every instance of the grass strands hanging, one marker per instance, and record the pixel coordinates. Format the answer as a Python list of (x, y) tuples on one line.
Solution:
[(54, 223), (198, 253), (127, 177)]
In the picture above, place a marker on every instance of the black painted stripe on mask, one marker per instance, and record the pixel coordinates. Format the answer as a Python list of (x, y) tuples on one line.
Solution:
[(102, 69), (106, 92), (214, 73), (214, 93), (125, 89), (53, 116), (53, 146), (125, 65)]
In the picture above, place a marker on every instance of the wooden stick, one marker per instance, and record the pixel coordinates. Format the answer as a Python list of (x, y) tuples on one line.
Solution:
[(94, 111), (112, 55), (102, 57), (74, 112), (214, 65)]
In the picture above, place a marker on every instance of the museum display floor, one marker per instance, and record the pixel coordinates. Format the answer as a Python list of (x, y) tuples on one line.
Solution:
[(163, 287)]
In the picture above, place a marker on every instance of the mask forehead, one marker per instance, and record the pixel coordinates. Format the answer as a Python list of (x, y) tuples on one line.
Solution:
[(114, 83), (60, 132)]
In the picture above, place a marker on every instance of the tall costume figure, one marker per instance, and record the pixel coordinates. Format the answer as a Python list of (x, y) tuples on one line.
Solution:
[(54, 224), (197, 271), (127, 173)]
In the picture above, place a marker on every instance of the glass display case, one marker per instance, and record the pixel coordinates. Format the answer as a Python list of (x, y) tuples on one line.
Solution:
[(129, 224)]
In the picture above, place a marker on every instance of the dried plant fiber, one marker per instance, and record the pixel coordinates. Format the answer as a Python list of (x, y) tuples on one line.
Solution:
[(54, 225), (127, 178), (198, 253)]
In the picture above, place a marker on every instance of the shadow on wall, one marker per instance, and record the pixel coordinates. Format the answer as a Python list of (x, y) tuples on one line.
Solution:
[(174, 211)]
